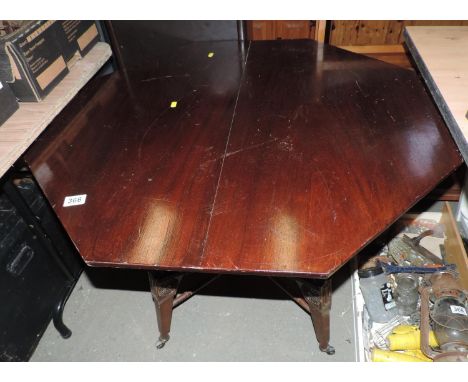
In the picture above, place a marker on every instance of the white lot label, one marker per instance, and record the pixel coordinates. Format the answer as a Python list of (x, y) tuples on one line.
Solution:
[(458, 310), (1, 86), (74, 200)]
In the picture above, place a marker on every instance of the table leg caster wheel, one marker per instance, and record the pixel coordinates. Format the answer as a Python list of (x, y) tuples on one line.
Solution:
[(330, 350), (161, 342)]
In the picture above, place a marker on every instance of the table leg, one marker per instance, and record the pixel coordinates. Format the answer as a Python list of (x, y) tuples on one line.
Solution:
[(163, 290), (317, 294)]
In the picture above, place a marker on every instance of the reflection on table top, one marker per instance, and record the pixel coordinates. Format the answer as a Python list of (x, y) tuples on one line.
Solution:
[(282, 157)]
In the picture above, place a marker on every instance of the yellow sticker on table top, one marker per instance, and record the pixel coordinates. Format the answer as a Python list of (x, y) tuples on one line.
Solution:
[(211, 54), (173, 104)]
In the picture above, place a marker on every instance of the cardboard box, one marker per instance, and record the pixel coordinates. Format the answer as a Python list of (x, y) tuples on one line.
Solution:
[(9, 26), (7, 101), (31, 60), (78, 37)]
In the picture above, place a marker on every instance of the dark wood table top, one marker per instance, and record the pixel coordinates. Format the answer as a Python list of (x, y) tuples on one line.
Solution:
[(283, 158)]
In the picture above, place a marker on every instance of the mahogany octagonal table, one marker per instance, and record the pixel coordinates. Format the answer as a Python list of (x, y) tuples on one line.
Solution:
[(279, 158)]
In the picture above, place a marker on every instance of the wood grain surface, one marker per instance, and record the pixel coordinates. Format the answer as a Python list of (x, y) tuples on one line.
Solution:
[(441, 54), (321, 158), (378, 32), (285, 161), (149, 171)]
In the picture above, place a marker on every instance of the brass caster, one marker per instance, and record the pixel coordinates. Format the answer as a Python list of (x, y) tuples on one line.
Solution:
[(161, 342), (330, 350)]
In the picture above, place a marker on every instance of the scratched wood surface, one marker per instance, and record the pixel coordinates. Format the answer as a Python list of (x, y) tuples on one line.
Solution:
[(321, 158), (286, 165), (149, 171)]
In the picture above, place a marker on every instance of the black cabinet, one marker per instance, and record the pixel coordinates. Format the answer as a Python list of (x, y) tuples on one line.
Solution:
[(34, 283), (39, 206)]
